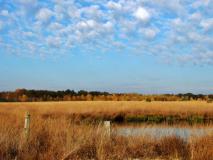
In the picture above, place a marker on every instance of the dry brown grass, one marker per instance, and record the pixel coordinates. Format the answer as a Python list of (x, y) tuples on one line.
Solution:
[(202, 148), (190, 112), (53, 138), (111, 107), (58, 139)]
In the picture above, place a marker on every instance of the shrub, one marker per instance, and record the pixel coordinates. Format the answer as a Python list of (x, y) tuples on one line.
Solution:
[(136, 118)]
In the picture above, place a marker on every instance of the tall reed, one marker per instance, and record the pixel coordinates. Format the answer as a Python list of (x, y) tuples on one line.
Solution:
[(60, 138)]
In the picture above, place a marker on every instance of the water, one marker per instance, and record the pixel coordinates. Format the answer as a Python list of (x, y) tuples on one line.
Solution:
[(162, 131)]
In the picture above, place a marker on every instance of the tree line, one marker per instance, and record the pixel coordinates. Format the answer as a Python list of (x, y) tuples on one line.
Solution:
[(24, 95)]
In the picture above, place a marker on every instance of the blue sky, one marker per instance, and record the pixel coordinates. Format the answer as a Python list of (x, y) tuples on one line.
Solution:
[(145, 46)]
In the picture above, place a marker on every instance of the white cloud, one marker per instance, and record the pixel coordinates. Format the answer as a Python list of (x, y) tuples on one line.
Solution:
[(127, 26), (58, 12), (4, 13), (113, 5), (193, 36), (73, 12), (53, 41), (91, 12), (142, 14), (55, 26), (200, 3), (149, 32), (195, 16), (44, 14), (28, 34), (108, 26), (207, 24), (173, 6), (101, 24), (177, 22), (178, 25), (88, 24)]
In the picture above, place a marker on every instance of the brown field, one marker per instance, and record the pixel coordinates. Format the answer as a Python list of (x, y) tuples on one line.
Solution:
[(92, 110), (58, 137), (111, 107)]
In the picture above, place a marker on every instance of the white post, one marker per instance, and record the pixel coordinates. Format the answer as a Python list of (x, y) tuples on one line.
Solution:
[(107, 128), (27, 125)]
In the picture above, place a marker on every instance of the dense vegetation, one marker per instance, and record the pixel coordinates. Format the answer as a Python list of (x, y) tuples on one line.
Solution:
[(176, 112), (23, 95), (62, 139), (74, 131)]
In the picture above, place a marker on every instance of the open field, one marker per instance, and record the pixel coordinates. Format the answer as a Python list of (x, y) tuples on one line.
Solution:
[(123, 111)]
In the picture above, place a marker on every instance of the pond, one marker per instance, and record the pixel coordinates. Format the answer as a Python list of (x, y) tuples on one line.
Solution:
[(159, 131)]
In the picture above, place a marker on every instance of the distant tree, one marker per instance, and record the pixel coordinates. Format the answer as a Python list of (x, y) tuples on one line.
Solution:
[(89, 97), (70, 92), (20, 91), (23, 98), (82, 92)]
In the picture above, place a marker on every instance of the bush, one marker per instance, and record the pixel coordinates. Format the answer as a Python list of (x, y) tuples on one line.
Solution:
[(119, 118), (137, 118), (195, 119), (148, 100), (156, 119)]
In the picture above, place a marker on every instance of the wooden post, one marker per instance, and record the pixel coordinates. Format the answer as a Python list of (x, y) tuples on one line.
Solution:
[(27, 125), (107, 128), (192, 148)]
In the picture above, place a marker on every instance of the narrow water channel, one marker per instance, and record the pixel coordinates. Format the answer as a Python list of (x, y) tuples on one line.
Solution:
[(159, 131)]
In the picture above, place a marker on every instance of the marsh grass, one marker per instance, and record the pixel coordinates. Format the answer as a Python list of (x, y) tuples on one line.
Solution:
[(62, 139), (191, 112), (56, 135)]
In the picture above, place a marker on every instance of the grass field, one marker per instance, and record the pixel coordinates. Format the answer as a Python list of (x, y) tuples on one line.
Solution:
[(53, 135), (123, 111)]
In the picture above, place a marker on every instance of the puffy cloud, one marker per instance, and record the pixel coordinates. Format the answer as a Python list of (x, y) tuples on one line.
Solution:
[(28, 34), (142, 14), (4, 13), (172, 7), (207, 24), (200, 3), (195, 16), (84, 25), (91, 29), (108, 26), (91, 12), (73, 12), (55, 26), (58, 12), (53, 41), (114, 5), (176, 29), (177, 22), (149, 32), (44, 14)]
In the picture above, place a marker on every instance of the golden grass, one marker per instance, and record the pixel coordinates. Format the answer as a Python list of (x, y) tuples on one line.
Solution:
[(191, 112), (57, 138), (97, 107), (60, 139)]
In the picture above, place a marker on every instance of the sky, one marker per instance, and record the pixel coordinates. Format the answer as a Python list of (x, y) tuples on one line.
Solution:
[(143, 46)]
